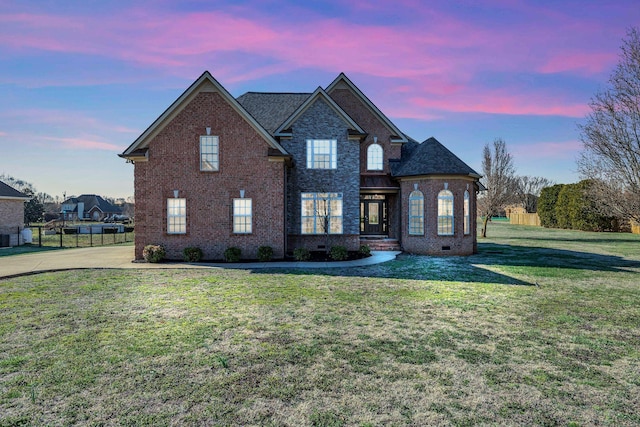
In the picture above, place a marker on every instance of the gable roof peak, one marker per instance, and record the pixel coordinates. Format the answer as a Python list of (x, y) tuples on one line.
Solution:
[(343, 79), (319, 93), (142, 142)]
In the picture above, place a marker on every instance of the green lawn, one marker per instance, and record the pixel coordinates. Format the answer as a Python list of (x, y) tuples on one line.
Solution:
[(542, 327)]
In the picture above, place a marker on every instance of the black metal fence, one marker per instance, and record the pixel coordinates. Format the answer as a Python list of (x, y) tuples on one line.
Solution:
[(77, 236)]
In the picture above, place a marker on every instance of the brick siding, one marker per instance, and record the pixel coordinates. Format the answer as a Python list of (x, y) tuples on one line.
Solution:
[(431, 243), (320, 121), (11, 219), (174, 164)]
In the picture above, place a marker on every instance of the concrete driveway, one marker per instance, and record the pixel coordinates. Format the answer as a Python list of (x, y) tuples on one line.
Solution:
[(121, 256)]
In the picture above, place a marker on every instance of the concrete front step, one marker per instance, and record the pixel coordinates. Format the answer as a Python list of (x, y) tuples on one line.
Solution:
[(381, 244)]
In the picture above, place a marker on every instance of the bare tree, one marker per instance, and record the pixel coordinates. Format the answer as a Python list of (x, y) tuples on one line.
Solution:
[(611, 137), (528, 191), (499, 179)]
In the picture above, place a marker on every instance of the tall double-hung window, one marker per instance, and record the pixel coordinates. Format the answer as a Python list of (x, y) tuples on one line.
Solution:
[(176, 216), (467, 213), (321, 213), (209, 153), (416, 213), (374, 157), (242, 216), (445, 213), (322, 154)]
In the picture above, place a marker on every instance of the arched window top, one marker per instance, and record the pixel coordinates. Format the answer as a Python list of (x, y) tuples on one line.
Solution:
[(416, 195), (445, 194), (374, 157)]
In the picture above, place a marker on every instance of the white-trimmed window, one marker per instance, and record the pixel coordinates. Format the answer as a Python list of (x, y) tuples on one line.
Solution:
[(374, 157), (209, 153), (467, 214), (445, 213), (322, 153), (242, 216), (176, 216), (321, 212), (416, 213)]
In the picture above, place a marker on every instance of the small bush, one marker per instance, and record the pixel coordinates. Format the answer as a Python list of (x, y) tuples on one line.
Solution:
[(365, 250), (339, 253), (301, 254), (232, 254), (265, 253), (192, 254), (153, 253)]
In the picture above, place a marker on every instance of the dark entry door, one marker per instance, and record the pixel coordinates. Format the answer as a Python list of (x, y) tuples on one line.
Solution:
[(373, 214)]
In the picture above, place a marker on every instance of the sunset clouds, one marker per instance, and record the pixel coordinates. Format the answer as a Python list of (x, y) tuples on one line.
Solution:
[(420, 61)]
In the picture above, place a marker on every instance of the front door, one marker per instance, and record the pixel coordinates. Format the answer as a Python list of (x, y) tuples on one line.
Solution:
[(373, 217)]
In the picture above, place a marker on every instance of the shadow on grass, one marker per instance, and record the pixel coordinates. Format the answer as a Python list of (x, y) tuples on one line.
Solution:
[(475, 268), (493, 253), (25, 249)]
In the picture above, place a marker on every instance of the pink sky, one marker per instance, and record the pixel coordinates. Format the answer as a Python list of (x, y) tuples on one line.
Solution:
[(92, 77)]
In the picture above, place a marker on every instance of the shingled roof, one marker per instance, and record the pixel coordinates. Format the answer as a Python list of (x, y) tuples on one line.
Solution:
[(429, 158), (8, 192), (271, 109), (92, 200)]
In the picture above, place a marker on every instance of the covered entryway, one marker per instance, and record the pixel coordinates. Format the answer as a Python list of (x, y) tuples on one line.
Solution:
[(373, 215)]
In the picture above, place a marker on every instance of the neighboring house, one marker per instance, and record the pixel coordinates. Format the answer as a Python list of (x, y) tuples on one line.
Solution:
[(88, 207), (278, 169), (11, 214)]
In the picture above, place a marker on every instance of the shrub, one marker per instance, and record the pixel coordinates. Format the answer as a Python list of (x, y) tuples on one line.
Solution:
[(547, 205), (153, 253), (338, 253), (232, 254), (365, 250), (301, 254), (265, 253), (192, 254)]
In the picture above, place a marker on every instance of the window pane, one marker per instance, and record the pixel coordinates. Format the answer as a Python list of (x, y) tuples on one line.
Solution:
[(209, 153), (445, 213), (321, 153), (416, 213), (374, 157), (321, 211), (242, 215), (176, 216), (467, 214)]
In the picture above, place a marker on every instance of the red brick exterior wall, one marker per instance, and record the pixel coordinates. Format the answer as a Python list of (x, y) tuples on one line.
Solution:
[(11, 219), (363, 116), (431, 243), (174, 164)]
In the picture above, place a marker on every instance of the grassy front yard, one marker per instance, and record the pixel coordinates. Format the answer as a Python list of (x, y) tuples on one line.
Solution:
[(541, 328)]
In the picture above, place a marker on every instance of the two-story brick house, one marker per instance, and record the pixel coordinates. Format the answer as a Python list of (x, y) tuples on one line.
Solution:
[(291, 170)]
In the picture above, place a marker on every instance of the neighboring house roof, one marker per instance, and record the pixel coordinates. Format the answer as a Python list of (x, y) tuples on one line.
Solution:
[(429, 158), (92, 201), (283, 129), (137, 150), (343, 81), (272, 109), (8, 192)]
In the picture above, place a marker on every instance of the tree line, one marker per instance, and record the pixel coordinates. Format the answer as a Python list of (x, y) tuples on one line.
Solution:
[(608, 196)]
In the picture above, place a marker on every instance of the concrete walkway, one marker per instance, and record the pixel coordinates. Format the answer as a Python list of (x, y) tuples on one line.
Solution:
[(121, 256)]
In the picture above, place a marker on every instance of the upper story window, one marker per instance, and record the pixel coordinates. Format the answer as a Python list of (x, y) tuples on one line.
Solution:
[(467, 213), (374, 157), (322, 154), (242, 214), (416, 213), (176, 216), (445, 213), (321, 213), (209, 153)]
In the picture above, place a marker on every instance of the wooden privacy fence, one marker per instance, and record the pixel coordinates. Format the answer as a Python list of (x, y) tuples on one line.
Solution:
[(524, 219)]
